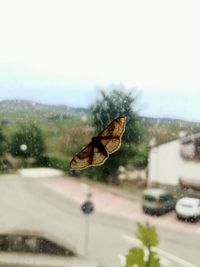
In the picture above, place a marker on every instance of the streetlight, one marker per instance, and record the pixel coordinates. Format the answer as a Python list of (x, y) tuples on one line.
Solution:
[(23, 148)]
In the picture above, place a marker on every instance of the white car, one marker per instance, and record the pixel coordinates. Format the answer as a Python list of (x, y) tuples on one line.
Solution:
[(188, 208)]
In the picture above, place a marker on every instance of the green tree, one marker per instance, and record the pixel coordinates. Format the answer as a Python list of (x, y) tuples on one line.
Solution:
[(148, 237), (111, 105), (3, 143), (106, 108), (27, 142)]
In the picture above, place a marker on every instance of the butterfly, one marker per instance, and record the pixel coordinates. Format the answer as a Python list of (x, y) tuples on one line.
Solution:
[(98, 150)]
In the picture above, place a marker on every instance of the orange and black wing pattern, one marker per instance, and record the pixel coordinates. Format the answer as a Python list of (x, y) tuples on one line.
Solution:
[(111, 136), (91, 155), (97, 151)]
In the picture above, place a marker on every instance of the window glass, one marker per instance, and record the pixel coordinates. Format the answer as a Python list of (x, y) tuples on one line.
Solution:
[(149, 198), (99, 101), (164, 198)]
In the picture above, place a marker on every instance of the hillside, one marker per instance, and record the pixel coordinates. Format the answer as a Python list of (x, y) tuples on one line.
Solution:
[(166, 129), (14, 106), (21, 110), (66, 130)]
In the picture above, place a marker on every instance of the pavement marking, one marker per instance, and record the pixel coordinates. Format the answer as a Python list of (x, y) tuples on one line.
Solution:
[(131, 239), (161, 252), (175, 258), (122, 259), (164, 262)]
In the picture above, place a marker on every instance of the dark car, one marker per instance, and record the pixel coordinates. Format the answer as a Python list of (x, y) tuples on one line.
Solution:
[(157, 201)]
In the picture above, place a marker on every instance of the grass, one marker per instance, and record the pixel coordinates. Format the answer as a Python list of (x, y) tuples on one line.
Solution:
[(63, 138)]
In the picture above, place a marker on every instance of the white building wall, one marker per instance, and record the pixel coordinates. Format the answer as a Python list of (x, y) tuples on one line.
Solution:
[(190, 169), (166, 165)]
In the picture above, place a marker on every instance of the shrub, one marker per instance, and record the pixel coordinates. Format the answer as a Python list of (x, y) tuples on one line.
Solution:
[(140, 158), (29, 136), (51, 162)]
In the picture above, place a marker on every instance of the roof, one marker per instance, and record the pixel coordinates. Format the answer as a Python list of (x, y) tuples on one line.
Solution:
[(184, 140)]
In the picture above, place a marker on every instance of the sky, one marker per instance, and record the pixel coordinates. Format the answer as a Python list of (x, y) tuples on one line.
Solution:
[(62, 52)]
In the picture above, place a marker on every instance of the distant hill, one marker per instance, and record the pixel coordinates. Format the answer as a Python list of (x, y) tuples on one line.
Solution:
[(55, 117), (8, 105), (20, 110), (167, 129), (165, 120)]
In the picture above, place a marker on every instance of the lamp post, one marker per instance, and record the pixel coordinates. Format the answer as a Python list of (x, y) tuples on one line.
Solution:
[(23, 148)]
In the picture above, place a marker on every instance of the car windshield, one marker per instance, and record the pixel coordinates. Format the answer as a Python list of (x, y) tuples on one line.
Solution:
[(99, 133), (188, 205), (164, 198), (149, 198)]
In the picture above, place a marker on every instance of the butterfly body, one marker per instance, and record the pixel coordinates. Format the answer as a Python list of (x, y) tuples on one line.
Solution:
[(98, 150), (96, 142)]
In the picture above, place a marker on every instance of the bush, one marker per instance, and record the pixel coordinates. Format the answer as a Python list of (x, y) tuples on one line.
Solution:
[(3, 143), (29, 136), (140, 159), (51, 162), (42, 161)]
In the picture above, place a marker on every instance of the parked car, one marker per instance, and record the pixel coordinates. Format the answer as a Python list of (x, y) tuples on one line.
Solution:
[(188, 208), (157, 201)]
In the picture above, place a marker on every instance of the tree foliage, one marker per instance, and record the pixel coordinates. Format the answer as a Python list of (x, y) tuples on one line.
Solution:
[(30, 136), (147, 235), (149, 238), (135, 257), (107, 107), (112, 105), (3, 143)]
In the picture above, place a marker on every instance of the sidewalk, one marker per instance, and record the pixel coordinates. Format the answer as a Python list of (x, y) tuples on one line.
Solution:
[(115, 190), (113, 201)]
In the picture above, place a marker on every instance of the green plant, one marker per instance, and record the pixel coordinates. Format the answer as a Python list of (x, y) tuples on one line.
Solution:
[(42, 161), (51, 162), (3, 143), (140, 157), (149, 239), (27, 142)]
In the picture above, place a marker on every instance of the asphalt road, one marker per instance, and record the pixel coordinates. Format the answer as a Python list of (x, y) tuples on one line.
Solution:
[(52, 205)]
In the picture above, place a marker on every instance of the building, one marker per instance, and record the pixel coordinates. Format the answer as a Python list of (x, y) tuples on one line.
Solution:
[(176, 162)]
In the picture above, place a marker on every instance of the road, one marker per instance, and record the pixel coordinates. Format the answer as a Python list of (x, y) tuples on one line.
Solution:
[(52, 205)]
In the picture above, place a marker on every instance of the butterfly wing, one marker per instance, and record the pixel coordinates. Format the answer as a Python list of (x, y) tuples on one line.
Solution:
[(87, 157), (110, 137), (98, 158), (92, 155)]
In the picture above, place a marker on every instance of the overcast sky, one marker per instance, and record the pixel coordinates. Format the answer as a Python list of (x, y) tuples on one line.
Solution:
[(61, 51)]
